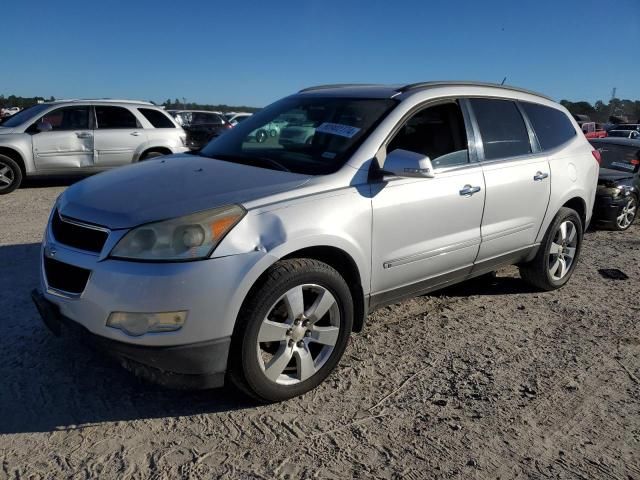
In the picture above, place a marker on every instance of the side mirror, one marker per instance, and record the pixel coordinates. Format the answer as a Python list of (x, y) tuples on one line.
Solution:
[(44, 127), (403, 163)]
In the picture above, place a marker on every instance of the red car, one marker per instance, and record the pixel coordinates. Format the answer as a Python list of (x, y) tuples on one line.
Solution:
[(594, 130)]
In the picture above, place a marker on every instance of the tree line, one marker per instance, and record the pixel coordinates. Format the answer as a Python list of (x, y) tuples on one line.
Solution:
[(25, 102), (616, 110)]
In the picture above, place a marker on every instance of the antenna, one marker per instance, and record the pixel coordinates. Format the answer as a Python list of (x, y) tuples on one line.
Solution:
[(503, 80)]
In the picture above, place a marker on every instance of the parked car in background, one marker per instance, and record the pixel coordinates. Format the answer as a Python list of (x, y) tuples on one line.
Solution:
[(9, 111), (594, 130), (618, 191), (254, 262), (620, 133), (236, 117), (201, 126), (82, 137)]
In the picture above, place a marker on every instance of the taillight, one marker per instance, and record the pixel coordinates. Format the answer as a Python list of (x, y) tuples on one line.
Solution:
[(597, 156), (635, 161)]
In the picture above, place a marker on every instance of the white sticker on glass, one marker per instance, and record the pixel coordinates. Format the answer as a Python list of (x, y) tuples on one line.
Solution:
[(338, 129)]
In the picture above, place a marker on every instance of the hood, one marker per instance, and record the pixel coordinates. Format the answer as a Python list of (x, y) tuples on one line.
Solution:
[(169, 187), (5, 130), (608, 176)]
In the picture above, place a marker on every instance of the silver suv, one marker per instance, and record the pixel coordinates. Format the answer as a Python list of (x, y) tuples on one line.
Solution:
[(83, 136), (254, 262)]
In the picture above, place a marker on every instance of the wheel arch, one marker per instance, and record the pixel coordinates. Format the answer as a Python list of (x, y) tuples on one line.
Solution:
[(16, 156), (580, 206), (160, 149)]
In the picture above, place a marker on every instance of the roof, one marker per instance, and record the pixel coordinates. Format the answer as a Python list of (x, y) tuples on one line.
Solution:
[(101, 100), (388, 91)]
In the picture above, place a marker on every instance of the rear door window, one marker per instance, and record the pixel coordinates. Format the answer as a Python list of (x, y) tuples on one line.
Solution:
[(156, 118), (552, 126), (504, 133), (115, 117)]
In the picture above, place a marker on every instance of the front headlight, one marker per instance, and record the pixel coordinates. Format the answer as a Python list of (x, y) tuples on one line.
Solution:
[(613, 192), (191, 237)]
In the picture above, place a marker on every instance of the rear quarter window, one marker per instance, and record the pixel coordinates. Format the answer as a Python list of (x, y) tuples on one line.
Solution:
[(157, 118), (551, 126)]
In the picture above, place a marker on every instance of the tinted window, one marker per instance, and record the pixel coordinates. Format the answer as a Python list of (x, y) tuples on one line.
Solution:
[(437, 132), (115, 117), (624, 158), (552, 126), (200, 118), (68, 118), (156, 118), (503, 130)]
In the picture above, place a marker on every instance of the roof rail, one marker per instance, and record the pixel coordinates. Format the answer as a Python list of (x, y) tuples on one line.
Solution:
[(420, 85), (338, 85), (106, 100)]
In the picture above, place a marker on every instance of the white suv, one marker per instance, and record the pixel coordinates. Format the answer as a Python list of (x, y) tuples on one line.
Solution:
[(83, 136), (254, 262)]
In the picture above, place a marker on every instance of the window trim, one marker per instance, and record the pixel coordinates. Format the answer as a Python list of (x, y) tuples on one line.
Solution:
[(533, 141), (474, 159)]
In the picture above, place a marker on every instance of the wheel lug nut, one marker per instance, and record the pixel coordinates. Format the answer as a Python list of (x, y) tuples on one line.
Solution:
[(307, 333), (291, 343), (289, 332), (297, 322), (300, 344)]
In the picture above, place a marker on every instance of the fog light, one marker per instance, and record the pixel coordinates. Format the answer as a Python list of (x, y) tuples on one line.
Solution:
[(136, 324)]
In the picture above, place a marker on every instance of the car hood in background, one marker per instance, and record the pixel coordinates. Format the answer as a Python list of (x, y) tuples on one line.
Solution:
[(169, 187), (607, 176)]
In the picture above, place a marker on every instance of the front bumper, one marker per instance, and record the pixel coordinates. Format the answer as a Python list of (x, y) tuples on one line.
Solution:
[(195, 366), (606, 209)]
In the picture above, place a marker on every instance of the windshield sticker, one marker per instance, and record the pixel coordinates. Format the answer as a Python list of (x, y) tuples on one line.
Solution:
[(329, 155), (339, 129), (626, 166)]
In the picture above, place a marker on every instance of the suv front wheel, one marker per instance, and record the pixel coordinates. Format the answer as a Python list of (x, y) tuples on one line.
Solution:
[(291, 331), (558, 254)]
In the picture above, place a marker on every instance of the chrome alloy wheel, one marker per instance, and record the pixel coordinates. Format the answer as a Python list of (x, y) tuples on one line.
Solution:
[(6, 176), (563, 250), (298, 334), (627, 214)]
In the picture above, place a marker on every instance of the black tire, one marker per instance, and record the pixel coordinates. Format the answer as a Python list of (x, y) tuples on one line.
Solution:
[(10, 175), (151, 154), (537, 271), (631, 202), (243, 368)]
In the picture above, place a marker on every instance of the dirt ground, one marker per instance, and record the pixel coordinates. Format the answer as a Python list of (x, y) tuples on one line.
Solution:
[(488, 379)]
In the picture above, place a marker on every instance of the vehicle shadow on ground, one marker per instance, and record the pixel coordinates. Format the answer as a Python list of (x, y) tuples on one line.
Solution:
[(54, 181), (54, 383), (487, 285)]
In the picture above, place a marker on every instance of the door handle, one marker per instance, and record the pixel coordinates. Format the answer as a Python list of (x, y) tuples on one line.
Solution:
[(83, 135), (540, 176), (135, 134), (468, 190)]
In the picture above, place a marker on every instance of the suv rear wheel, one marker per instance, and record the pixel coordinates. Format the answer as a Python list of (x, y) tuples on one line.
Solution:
[(558, 254), (10, 175), (627, 214), (292, 330)]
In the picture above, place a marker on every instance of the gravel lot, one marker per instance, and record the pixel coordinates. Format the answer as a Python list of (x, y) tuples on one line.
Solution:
[(488, 379)]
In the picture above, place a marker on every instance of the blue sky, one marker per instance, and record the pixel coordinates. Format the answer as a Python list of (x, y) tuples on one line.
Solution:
[(252, 53)]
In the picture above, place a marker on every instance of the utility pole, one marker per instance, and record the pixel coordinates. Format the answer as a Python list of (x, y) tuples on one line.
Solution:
[(184, 103), (613, 93)]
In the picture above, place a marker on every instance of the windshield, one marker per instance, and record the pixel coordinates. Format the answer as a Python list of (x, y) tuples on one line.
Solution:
[(27, 114), (314, 136), (623, 158)]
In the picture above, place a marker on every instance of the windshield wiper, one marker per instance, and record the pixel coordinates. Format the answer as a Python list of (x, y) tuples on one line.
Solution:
[(252, 159)]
